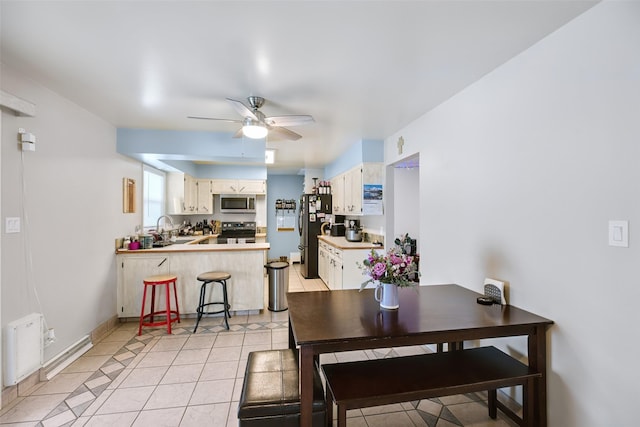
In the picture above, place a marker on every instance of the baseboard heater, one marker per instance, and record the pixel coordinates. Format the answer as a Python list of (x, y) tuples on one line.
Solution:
[(67, 357), (23, 348)]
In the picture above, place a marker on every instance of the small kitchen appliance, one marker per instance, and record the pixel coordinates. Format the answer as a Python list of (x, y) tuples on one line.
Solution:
[(353, 232), (237, 203), (338, 227)]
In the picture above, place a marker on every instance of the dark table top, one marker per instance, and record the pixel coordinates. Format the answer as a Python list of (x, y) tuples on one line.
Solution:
[(440, 312)]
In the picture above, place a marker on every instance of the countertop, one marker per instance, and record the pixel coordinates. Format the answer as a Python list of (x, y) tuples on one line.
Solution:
[(213, 247), (342, 243), (195, 246)]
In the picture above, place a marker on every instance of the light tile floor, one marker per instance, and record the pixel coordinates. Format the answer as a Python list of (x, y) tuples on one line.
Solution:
[(187, 379)]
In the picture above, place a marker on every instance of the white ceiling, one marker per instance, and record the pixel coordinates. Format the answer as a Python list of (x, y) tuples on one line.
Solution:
[(362, 69)]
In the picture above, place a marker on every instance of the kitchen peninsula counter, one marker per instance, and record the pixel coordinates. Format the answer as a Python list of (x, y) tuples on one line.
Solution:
[(244, 261), (196, 247)]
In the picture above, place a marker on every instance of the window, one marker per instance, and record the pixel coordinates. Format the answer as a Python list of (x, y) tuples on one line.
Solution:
[(153, 196)]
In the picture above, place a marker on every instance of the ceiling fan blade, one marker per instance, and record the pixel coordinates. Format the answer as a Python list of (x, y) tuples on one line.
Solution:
[(285, 133), (242, 109), (212, 118), (238, 134), (293, 120)]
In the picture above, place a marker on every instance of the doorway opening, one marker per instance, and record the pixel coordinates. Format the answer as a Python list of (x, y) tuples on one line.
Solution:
[(403, 207)]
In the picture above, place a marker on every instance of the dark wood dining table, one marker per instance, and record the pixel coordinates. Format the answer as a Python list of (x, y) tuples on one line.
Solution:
[(344, 320)]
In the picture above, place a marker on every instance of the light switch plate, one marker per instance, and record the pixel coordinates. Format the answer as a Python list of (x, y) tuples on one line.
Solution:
[(12, 225), (619, 233)]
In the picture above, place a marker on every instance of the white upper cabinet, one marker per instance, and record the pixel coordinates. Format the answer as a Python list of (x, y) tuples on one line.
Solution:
[(337, 195), (175, 194), (205, 196), (238, 186), (188, 195), (354, 192)]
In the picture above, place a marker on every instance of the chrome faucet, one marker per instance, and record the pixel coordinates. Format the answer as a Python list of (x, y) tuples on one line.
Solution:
[(158, 223)]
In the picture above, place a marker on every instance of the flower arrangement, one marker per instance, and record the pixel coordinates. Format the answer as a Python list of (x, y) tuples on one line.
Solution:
[(393, 267)]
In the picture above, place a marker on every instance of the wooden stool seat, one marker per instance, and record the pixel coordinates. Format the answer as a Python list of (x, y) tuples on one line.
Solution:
[(171, 316), (213, 277)]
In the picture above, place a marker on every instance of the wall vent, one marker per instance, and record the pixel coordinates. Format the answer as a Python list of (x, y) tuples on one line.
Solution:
[(23, 348)]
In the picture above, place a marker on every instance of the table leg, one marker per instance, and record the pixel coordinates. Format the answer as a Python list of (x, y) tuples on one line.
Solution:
[(537, 344), (306, 385)]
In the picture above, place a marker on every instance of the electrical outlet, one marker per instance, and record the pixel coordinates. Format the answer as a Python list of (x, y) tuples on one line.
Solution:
[(12, 225), (49, 337)]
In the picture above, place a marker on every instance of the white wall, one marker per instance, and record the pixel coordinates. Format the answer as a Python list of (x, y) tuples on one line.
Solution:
[(520, 174), (73, 212)]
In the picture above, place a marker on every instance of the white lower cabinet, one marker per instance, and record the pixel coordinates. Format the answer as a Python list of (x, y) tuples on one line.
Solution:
[(338, 268), (131, 273), (330, 266), (245, 287), (322, 261)]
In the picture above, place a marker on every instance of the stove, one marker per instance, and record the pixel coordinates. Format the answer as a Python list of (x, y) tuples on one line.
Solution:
[(237, 230)]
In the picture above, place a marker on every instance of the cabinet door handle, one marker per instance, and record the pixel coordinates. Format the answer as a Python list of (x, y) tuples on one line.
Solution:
[(162, 262), (241, 189)]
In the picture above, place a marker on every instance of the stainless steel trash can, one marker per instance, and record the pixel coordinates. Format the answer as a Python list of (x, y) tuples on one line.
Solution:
[(278, 285)]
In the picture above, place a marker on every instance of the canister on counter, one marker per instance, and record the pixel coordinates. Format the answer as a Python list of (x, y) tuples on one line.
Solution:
[(147, 241)]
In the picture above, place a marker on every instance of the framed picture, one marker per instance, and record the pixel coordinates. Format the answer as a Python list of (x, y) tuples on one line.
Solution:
[(128, 195)]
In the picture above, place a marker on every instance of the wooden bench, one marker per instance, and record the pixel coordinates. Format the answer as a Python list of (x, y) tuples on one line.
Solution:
[(368, 383)]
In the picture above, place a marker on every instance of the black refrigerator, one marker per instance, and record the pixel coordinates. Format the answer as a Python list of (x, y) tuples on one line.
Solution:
[(314, 210)]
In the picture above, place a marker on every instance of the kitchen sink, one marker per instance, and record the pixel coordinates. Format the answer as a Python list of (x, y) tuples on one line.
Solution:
[(161, 244), (183, 240)]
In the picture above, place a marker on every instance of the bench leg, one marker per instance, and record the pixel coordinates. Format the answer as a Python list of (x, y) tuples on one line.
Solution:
[(528, 414), (328, 398), (342, 416), (492, 403)]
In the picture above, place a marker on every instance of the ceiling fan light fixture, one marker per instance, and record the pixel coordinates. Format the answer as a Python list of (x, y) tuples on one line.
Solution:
[(254, 129)]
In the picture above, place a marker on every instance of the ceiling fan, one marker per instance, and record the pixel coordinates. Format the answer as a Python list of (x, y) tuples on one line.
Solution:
[(256, 125)]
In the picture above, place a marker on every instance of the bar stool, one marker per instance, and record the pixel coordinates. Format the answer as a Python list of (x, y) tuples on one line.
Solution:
[(160, 280), (213, 277)]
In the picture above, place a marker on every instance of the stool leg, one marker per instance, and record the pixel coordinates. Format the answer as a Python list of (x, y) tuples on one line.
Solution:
[(144, 298), (200, 308), (225, 302), (227, 306), (167, 294), (153, 302), (175, 295)]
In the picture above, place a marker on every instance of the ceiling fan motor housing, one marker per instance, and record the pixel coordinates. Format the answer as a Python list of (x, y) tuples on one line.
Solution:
[(255, 101)]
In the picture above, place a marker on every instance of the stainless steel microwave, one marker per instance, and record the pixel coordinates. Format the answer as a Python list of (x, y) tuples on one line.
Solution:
[(237, 203)]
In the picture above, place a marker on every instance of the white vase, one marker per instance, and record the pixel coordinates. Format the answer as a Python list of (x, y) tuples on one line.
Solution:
[(387, 295)]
